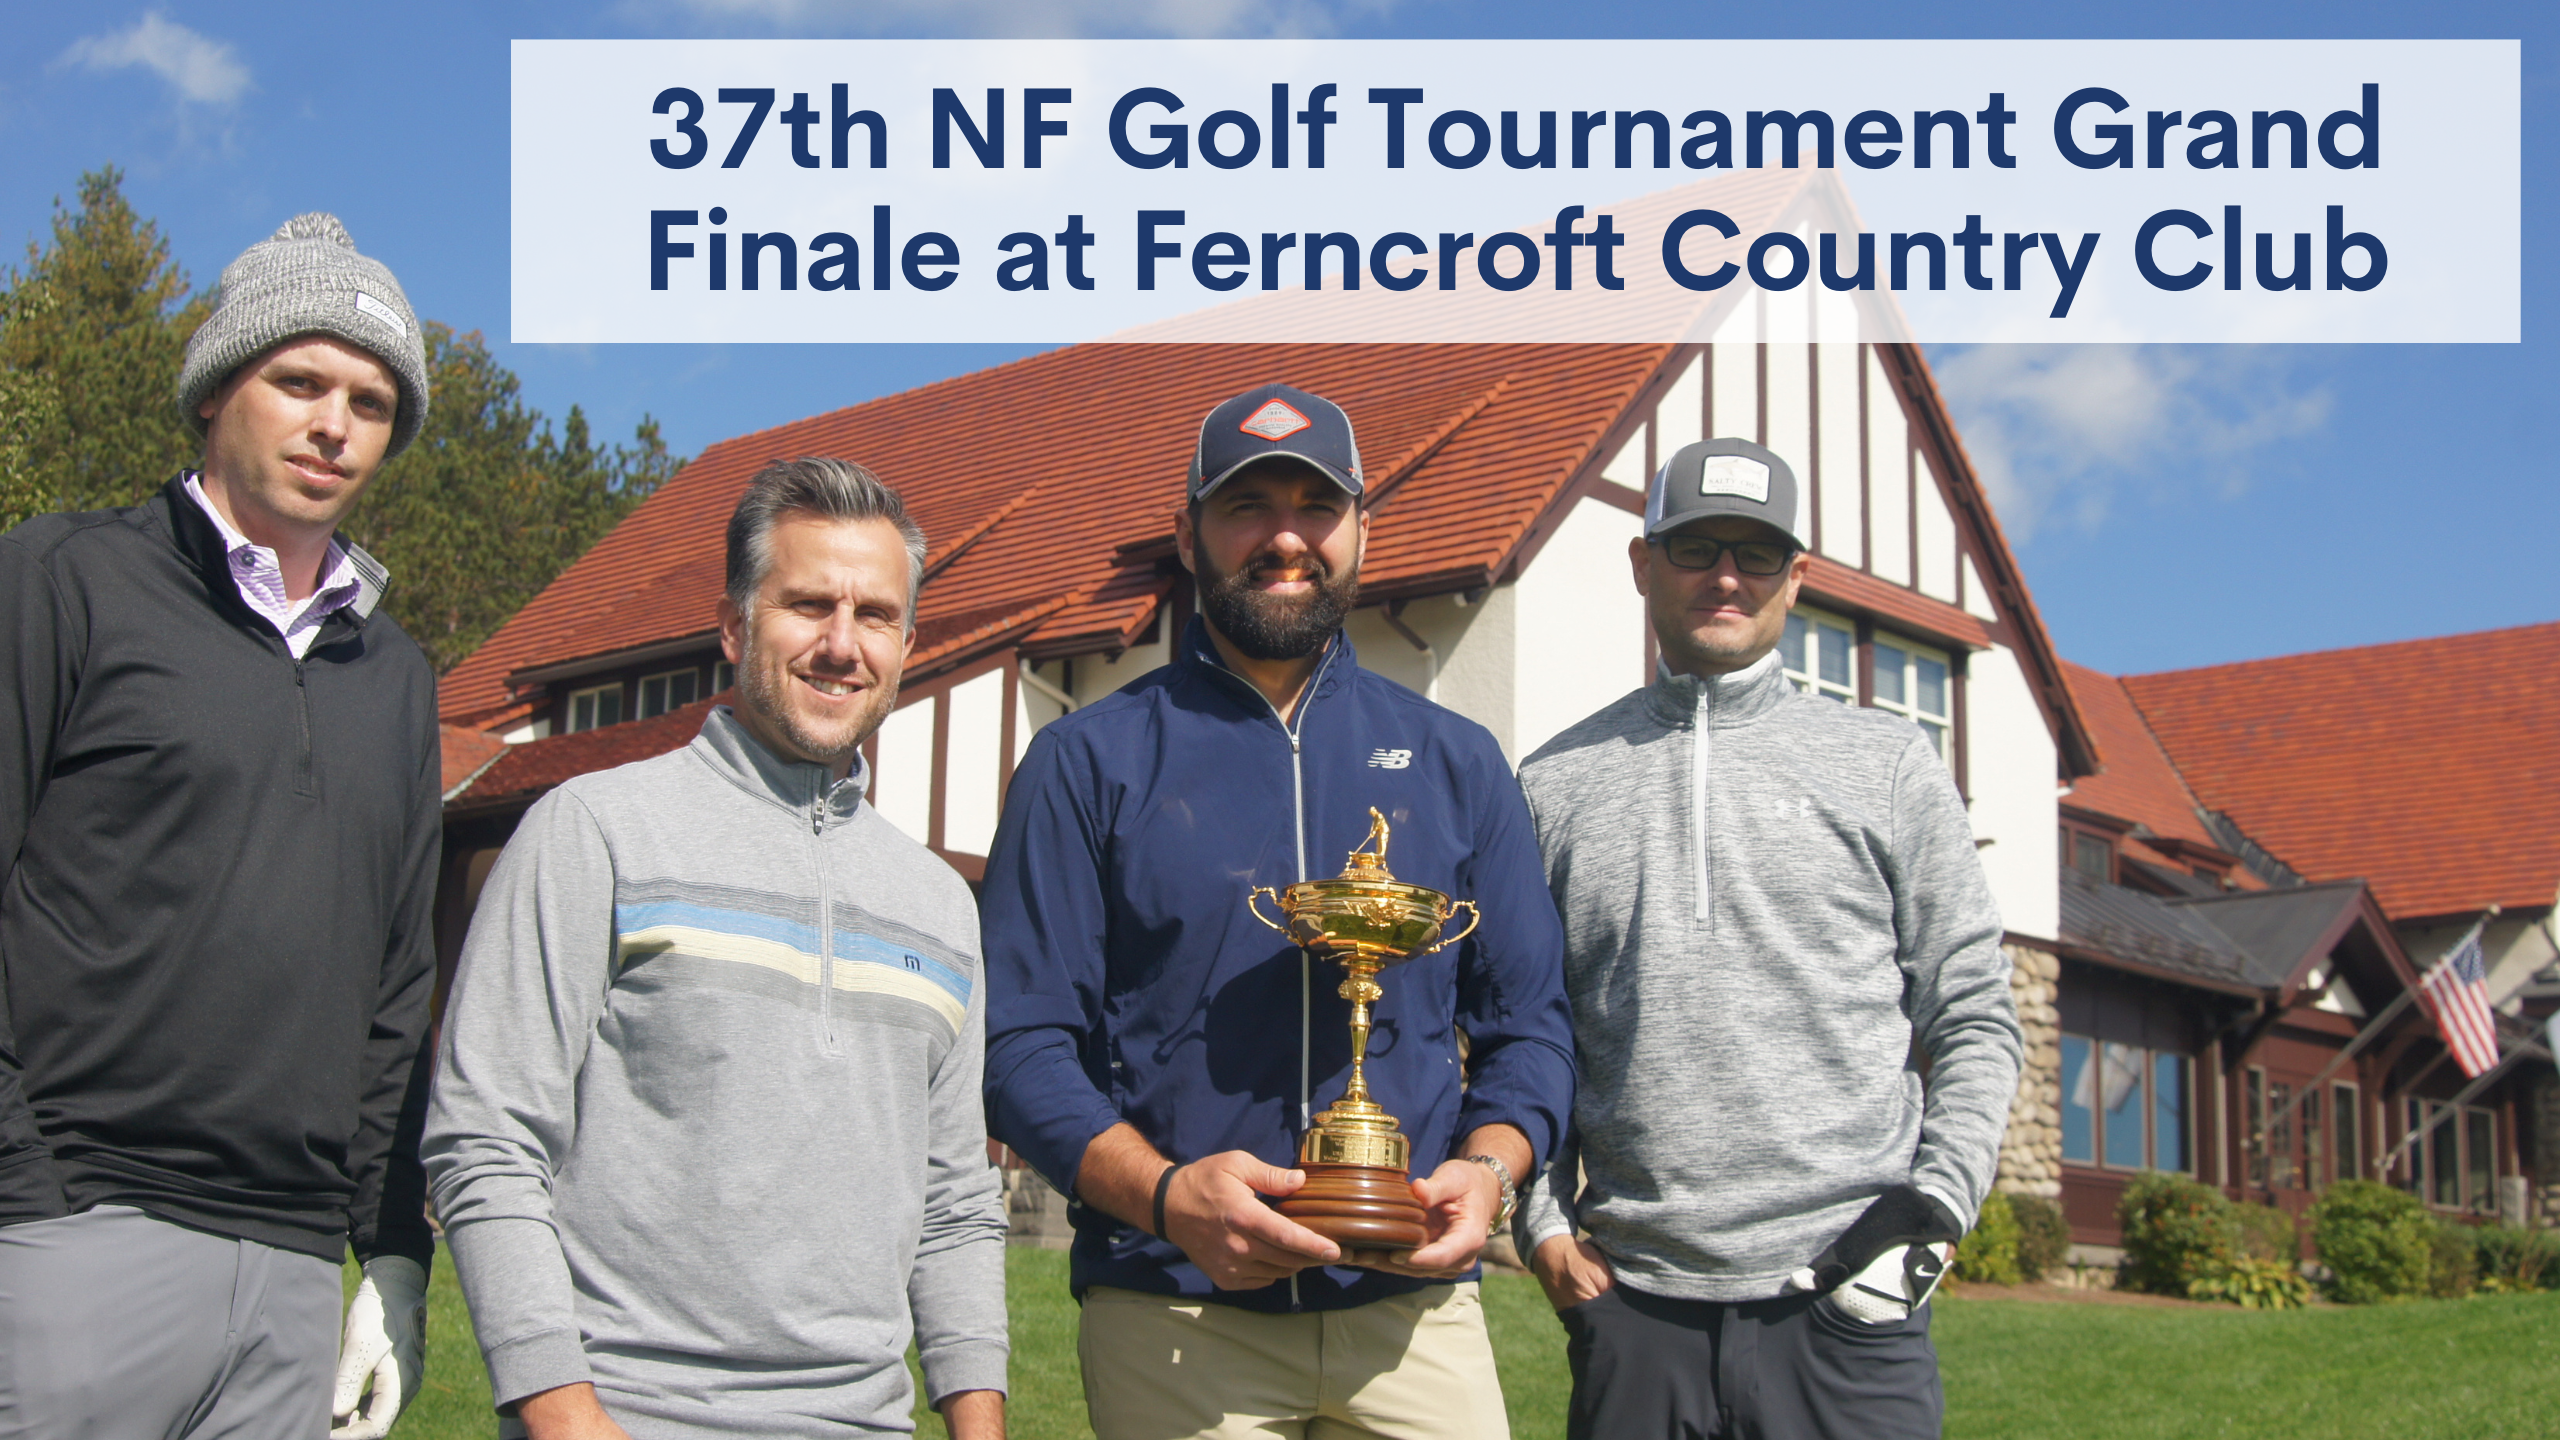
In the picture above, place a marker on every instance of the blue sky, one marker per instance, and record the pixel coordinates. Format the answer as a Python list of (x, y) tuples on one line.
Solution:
[(2173, 506)]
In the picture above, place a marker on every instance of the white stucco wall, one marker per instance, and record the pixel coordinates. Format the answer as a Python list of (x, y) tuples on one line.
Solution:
[(2011, 774), (1579, 625), (973, 763), (902, 783)]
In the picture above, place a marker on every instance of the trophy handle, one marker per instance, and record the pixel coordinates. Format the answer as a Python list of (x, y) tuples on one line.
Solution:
[(1252, 899), (1475, 917)]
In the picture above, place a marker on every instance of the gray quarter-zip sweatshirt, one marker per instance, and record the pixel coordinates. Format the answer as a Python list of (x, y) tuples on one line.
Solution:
[(707, 1128), (1773, 918)]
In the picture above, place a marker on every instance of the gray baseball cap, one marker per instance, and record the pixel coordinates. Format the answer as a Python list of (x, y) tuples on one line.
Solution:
[(1724, 477)]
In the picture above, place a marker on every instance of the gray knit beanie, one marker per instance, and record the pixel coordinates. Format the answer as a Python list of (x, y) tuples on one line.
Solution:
[(307, 279)]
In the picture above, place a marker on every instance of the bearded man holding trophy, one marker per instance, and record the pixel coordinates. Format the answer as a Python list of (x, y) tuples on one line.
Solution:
[(1248, 1264)]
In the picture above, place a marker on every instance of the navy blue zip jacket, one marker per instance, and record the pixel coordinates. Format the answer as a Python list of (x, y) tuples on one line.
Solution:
[(1126, 982)]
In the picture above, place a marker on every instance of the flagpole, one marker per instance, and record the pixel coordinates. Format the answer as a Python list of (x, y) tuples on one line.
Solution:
[(2522, 1048), (2372, 1028)]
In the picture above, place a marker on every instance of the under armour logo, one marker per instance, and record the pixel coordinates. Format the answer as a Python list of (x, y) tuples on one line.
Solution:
[(1391, 759)]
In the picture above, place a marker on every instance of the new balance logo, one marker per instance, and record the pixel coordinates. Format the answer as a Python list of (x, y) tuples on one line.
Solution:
[(1391, 759)]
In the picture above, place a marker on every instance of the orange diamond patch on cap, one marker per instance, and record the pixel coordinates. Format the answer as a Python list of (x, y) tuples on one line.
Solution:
[(1276, 420)]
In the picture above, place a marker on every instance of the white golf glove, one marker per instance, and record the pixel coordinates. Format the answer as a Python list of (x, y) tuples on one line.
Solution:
[(1894, 1284), (386, 1343)]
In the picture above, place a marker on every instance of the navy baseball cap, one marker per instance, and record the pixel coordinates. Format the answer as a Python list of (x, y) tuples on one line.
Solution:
[(1275, 420), (1724, 477)]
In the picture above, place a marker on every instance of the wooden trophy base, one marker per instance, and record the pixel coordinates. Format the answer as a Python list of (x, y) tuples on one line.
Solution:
[(1359, 1207)]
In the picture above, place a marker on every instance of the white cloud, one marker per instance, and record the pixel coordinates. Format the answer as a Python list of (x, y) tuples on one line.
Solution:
[(201, 69), (1046, 19), (2060, 432)]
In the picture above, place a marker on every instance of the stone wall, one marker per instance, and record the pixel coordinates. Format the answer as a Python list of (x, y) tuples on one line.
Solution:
[(2031, 1153)]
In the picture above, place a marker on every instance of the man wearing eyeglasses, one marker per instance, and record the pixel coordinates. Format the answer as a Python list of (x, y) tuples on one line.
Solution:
[(1775, 926)]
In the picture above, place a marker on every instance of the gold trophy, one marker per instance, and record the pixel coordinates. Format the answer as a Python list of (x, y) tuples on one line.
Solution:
[(1358, 1194)]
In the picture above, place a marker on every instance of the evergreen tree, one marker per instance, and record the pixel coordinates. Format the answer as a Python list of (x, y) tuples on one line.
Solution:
[(482, 511), (490, 504), (99, 321)]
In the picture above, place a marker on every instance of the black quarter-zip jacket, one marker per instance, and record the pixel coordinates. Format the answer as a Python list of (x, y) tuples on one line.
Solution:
[(215, 924)]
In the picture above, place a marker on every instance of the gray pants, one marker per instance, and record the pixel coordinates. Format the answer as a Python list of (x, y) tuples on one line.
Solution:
[(1650, 1368), (115, 1325)]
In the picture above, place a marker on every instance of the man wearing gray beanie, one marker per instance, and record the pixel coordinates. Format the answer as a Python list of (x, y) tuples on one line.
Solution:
[(220, 817)]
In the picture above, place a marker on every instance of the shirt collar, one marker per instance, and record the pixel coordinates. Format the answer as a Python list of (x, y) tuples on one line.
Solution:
[(338, 580)]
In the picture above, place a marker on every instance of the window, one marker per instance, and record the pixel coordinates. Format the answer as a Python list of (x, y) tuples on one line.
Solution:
[(672, 690), (1913, 683), (2124, 1106), (592, 709), (2455, 1166), (1819, 654), (2315, 1141), (2079, 1117), (2282, 1172), (2345, 1106), (2480, 1158), (723, 675), (2091, 855), (2169, 1111)]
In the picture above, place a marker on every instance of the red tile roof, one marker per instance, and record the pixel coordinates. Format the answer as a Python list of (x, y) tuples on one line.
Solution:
[(1856, 590), (535, 766), (1470, 445), (2428, 768), (466, 751), (2138, 783)]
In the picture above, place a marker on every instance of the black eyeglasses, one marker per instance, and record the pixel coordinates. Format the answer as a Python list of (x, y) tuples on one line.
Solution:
[(1751, 557)]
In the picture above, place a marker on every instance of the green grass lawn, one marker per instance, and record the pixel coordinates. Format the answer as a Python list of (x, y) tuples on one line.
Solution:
[(2015, 1370)]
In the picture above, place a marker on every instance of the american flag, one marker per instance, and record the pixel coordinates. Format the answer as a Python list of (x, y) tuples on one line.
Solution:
[(2456, 994)]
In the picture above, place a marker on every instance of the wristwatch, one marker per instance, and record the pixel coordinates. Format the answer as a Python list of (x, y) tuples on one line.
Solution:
[(1510, 1192)]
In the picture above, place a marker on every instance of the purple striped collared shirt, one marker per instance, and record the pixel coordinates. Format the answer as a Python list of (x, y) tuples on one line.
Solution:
[(260, 576)]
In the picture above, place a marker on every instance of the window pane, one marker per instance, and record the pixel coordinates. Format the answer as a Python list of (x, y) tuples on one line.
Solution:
[(1937, 737), (1931, 679), (681, 687), (2315, 1138), (2079, 1103), (1791, 645), (2444, 1166), (1835, 643), (723, 675), (2169, 1112), (609, 706), (2120, 1097), (582, 712), (653, 696), (2090, 855), (2480, 1158), (2343, 1118), (2281, 1168), (1890, 660)]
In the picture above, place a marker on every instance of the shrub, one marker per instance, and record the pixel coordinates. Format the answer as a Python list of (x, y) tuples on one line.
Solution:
[(2176, 1232), (2453, 1260), (2255, 1283), (2267, 1233), (2516, 1261), (2044, 1238), (1988, 1254), (2378, 1242)]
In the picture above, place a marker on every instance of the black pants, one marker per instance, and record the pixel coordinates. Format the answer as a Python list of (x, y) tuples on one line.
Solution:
[(1648, 1368)]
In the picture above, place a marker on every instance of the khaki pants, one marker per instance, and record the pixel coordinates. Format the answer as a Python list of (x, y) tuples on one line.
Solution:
[(1415, 1367)]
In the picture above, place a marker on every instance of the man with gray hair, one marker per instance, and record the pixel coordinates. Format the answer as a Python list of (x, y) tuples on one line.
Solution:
[(219, 826), (706, 1139)]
